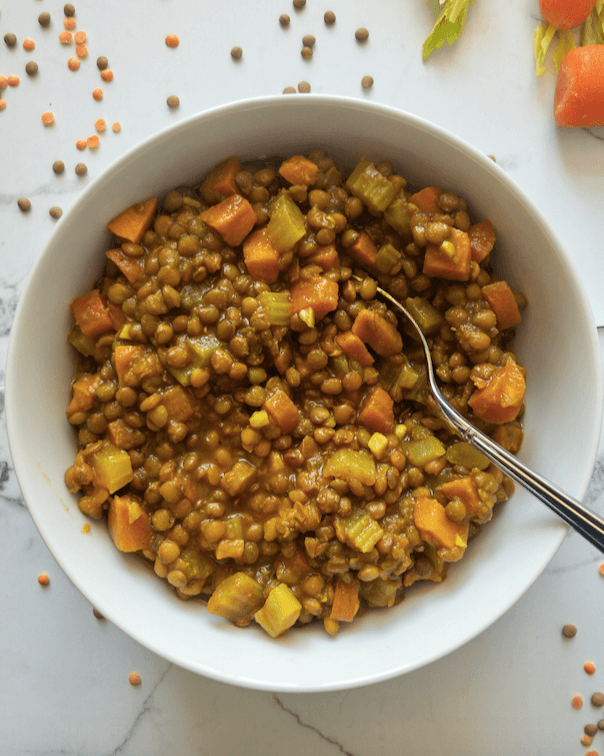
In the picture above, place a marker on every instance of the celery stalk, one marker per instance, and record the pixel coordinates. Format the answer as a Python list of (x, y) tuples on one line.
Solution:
[(361, 532), (369, 185), (346, 463), (236, 598), (277, 305), (388, 256), (238, 479), (82, 343), (426, 450), (428, 318), (464, 454), (398, 215), (287, 224), (198, 565)]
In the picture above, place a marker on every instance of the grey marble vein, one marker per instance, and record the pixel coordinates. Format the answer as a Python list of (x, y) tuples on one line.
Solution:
[(310, 727)]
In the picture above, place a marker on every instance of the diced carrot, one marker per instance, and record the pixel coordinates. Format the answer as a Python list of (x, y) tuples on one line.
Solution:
[(320, 293), (482, 239), (261, 257), (326, 258), (131, 267), (354, 348), (466, 490), (450, 260), (282, 411), (179, 403), (299, 170), (500, 400), (233, 218), (118, 318), (376, 331), (84, 393), (579, 95), (436, 528), (345, 601), (92, 314), (363, 250), (291, 570), (503, 303), (123, 356), (128, 523), (134, 221), (427, 199), (120, 434), (377, 411), (565, 14), (221, 179)]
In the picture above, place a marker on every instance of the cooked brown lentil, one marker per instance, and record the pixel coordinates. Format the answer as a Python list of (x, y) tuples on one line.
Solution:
[(361, 34), (284, 19), (81, 169), (24, 204), (55, 212), (58, 166), (367, 82), (304, 87), (231, 400), (44, 19), (173, 101), (236, 53), (569, 631), (31, 68), (69, 10), (329, 17)]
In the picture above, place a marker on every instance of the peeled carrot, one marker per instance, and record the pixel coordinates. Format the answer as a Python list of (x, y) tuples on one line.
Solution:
[(134, 221), (233, 218), (363, 250), (354, 348), (482, 239), (377, 411), (427, 199), (436, 528), (464, 489), (345, 601), (261, 257), (320, 293), (326, 258), (131, 267), (451, 260), (282, 411), (221, 180), (376, 331), (92, 314), (579, 95), (299, 170), (503, 303), (565, 14), (500, 400)]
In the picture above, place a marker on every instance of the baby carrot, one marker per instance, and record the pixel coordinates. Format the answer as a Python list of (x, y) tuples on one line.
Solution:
[(579, 95)]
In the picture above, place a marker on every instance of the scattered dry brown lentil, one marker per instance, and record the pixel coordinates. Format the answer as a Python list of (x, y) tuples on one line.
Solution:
[(284, 19), (308, 40), (173, 101), (69, 10), (587, 740), (97, 93), (10, 39), (329, 18), (55, 212), (81, 144), (289, 90), (44, 19), (361, 34), (65, 37), (590, 729), (601, 724), (134, 678), (2, 104), (97, 614), (102, 62), (81, 169), (24, 206), (304, 86), (13, 81), (48, 118), (29, 44), (58, 166), (299, 4), (569, 631), (367, 82), (93, 142), (236, 53), (306, 52), (589, 667), (31, 68), (43, 577), (81, 51), (80, 37), (107, 75), (172, 40), (3, 81), (117, 126), (69, 23), (597, 699), (100, 124), (73, 63)]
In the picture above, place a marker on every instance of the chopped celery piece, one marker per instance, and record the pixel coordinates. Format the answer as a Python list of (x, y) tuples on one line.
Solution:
[(347, 463), (388, 256), (82, 343), (464, 454), (238, 479), (112, 468), (201, 350), (278, 306), (280, 611), (126, 331), (361, 532), (236, 598), (378, 444), (388, 374), (230, 548), (340, 365), (381, 592), (398, 215), (407, 377), (197, 565), (287, 224), (428, 318), (369, 185), (426, 450), (182, 375), (234, 526)]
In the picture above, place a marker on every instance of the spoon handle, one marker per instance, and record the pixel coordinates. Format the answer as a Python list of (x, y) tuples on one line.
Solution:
[(585, 522)]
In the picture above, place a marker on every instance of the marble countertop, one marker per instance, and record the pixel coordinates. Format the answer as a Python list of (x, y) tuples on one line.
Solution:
[(63, 672)]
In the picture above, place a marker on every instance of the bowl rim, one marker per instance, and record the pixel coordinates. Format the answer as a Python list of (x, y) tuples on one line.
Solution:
[(237, 107)]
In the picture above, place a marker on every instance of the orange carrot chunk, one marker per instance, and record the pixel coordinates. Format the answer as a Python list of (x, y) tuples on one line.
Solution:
[(466, 490), (233, 218), (134, 221), (128, 523), (482, 239), (377, 411), (427, 199), (282, 411), (123, 356), (345, 601), (178, 401), (503, 303), (299, 170), (451, 259), (436, 528), (363, 250), (579, 95), (131, 267), (221, 180), (354, 348), (326, 258), (261, 257), (92, 314), (84, 393), (376, 331), (565, 14), (320, 293), (500, 400)]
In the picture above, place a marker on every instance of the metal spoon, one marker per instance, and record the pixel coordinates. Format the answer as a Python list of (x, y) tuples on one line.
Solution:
[(585, 522)]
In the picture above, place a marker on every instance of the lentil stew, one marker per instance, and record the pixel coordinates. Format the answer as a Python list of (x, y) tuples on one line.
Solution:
[(257, 424)]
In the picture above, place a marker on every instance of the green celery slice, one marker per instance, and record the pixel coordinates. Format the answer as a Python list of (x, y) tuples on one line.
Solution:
[(287, 224), (369, 185), (277, 305)]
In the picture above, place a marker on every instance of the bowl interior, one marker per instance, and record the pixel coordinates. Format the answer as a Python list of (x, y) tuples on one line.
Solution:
[(556, 342)]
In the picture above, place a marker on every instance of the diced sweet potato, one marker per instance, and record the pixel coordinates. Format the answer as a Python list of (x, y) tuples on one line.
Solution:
[(326, 257), (427, 199), (503, 303), (261, 257), (134, 221), (354, 348), (482, 239), (129, 525), (501, 399), (112, 468), (92, 314), (377, 411), (299, 170), (320, 293), (376, 331), (220, 181), (436, 528), (131, 267), (466, 490), (233, 218), (345, 601), (363, 250)]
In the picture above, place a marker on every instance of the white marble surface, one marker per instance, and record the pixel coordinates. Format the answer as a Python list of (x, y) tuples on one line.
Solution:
[(63, 673)]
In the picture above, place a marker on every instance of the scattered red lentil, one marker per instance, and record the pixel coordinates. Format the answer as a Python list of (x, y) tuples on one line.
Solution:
[(97, 93), (29, 44), (569, 631), (3, 81), (85, 526), (58, 166), (69, 23), (81, 51), (304, 86), (299, 4), (590, 729), (589, 667), (592, 753), (117, 126), (173, 101), (81, 144), (31, 68), (329, 17), (97, 614), (44, 19), (2, 104), (587, 740), (236, 53), (100, 124), (597, 699), (43, 578), (13, 81), (48, 118), (361, 34), (306, 52), (107, 75), (55, 212), (10, 39), (69, 10), (289, 90), (24, 206), (93, 142), (367, 82), (73, 63), (65, 38), (134, 678), (601, 569), (172, 40), (284, 19), (80, 37), (577, 702)]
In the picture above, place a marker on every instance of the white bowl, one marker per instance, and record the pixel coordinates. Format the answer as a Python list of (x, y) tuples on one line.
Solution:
[(557, 343)]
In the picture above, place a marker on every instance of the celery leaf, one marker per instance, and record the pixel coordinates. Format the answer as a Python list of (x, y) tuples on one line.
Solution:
[(448, 27), (566, 42), (593, 29), (542, 36)]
